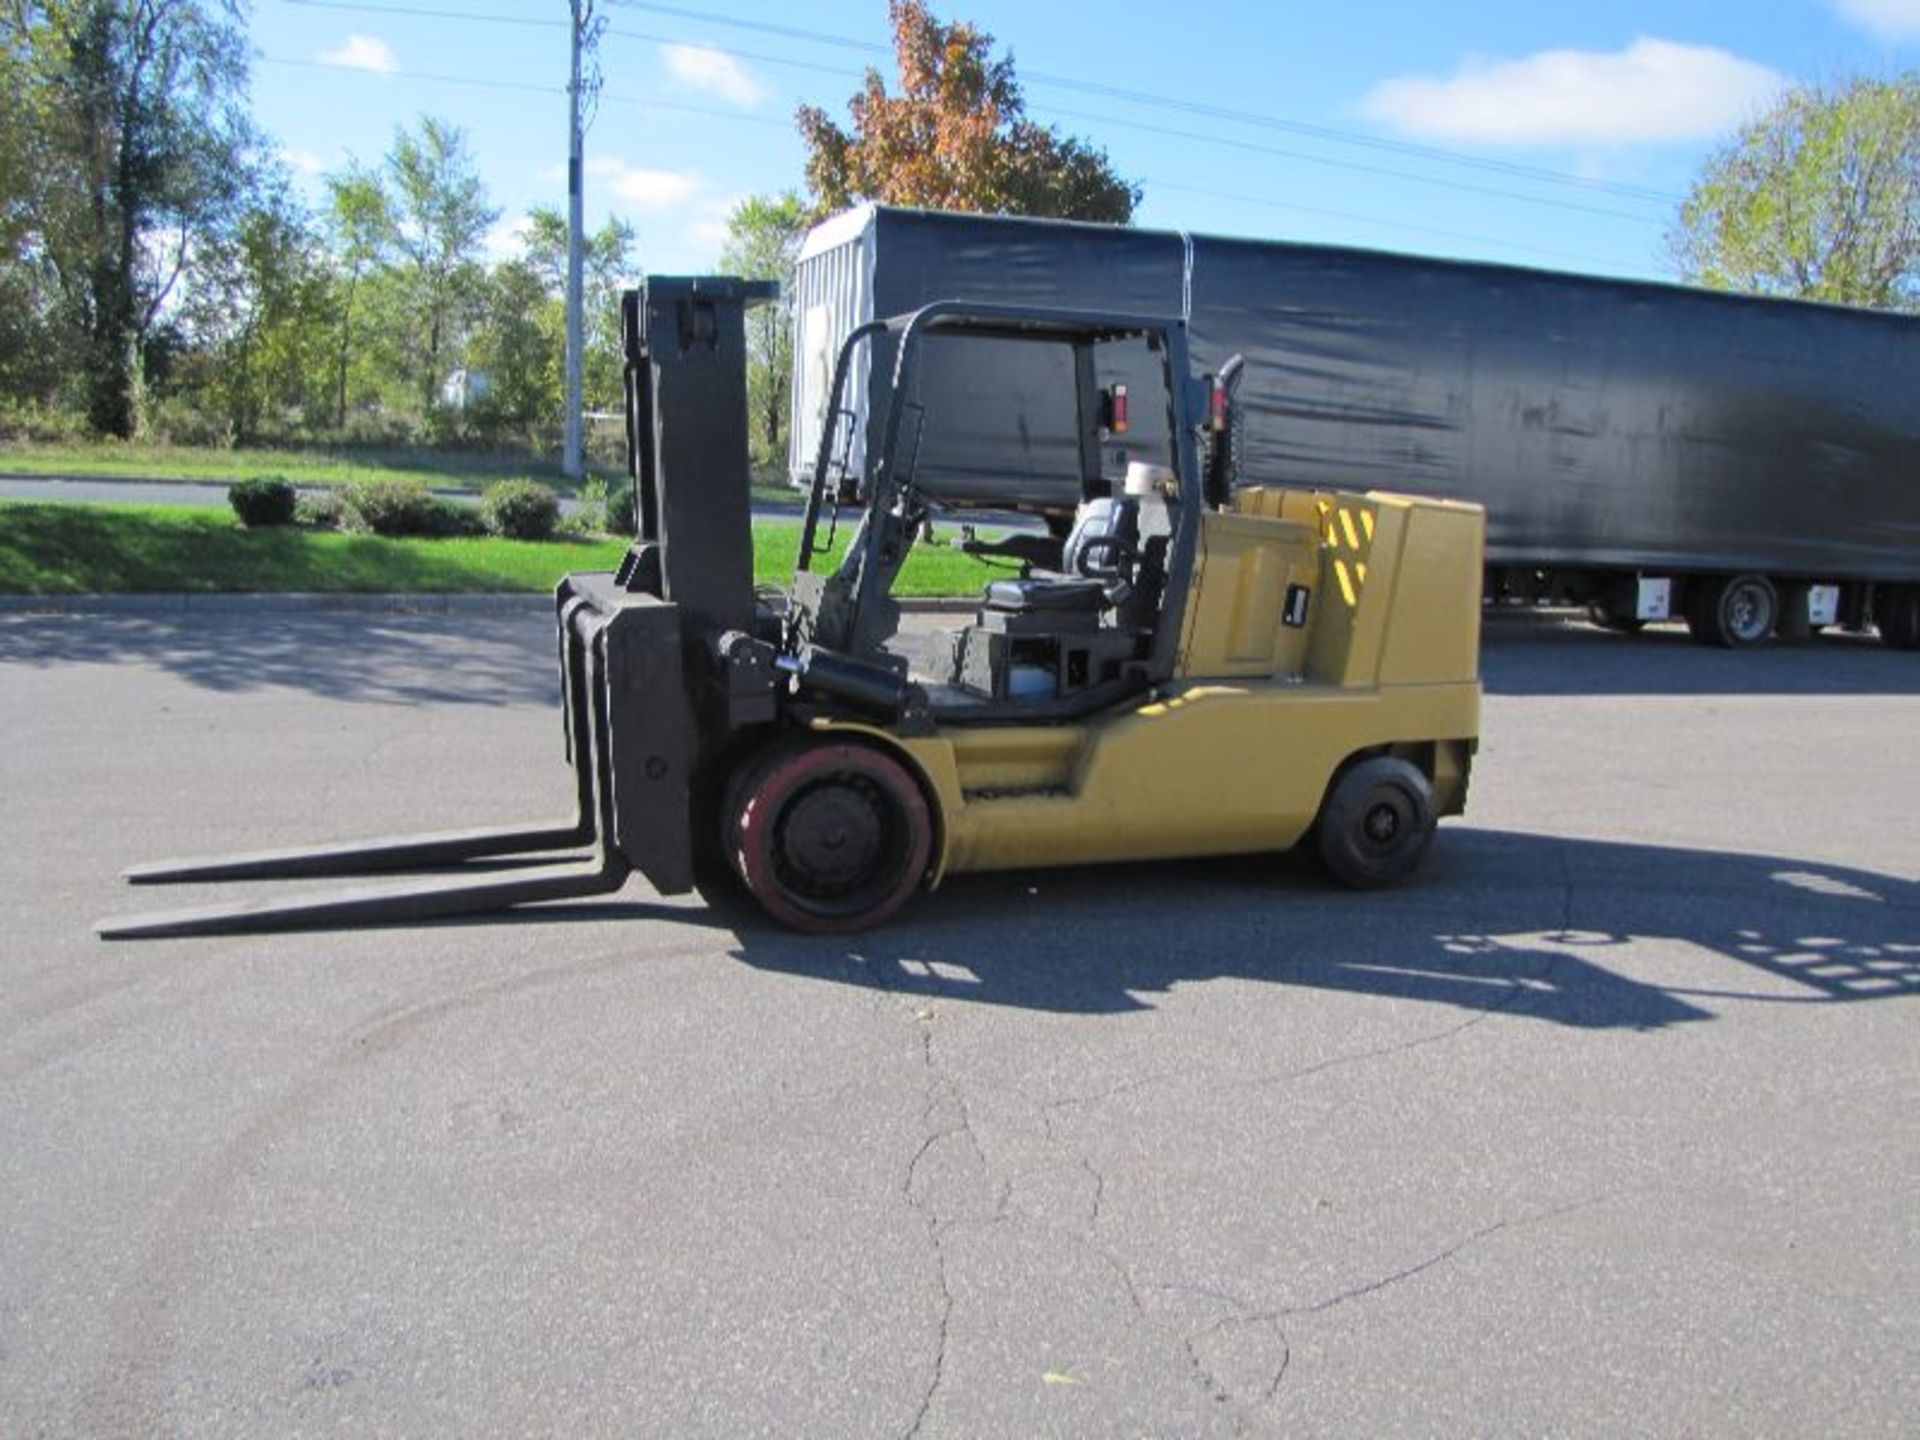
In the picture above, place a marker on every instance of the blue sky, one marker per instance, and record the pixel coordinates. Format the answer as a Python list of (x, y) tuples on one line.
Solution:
[(1521, 133)]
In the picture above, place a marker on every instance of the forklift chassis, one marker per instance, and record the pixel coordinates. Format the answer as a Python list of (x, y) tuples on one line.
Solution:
[(1273, 664)]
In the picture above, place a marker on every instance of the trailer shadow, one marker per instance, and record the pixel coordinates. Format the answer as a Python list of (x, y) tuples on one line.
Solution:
[(1531, 654), (486, 657), (505, 657), (1580, 933)]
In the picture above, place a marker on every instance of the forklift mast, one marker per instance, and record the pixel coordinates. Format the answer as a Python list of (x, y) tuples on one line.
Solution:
[(686, 417)]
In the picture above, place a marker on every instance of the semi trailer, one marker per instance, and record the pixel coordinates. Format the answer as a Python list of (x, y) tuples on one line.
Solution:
[(1648, 451)]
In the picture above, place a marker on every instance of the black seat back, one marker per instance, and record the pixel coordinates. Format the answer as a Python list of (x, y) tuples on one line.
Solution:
[(1104, 539)]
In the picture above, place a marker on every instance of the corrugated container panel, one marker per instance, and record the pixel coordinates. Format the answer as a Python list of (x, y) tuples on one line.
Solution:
[(833, 296)]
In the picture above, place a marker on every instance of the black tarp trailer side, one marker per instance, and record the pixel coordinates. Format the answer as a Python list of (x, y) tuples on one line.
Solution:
[(1616, 431)]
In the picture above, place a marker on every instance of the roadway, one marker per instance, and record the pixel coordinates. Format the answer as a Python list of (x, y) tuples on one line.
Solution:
[(1605, 1124)]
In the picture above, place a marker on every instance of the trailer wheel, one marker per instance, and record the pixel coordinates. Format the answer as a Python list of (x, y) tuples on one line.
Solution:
[(828, 837), (1897, 613), (1733, 612), (1376, 823), (1608, 618)]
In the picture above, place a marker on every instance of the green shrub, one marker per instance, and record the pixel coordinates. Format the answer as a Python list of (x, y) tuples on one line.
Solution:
[(520, 510), (185, 421), (321, 510), (400, 507), (608, 508), (264, 500), (25, 419)]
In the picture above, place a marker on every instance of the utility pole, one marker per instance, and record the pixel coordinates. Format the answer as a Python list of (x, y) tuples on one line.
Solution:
[(573, 463)]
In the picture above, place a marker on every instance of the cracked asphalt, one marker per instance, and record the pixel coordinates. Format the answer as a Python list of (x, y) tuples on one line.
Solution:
[(1605, 1125)]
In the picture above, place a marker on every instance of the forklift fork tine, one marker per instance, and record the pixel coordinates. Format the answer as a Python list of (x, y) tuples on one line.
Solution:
[(430, 851), (418, 900), (366, 857), (589, 735)]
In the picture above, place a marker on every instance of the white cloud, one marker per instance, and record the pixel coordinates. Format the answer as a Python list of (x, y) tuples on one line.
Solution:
[(304, 162), (1889, 19), (715, 72), (506, 239), (362, 52), (1654, 90), (644, 189), (708, 231)]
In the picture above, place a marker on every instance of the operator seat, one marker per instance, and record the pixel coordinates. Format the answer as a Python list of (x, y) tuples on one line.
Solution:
[(1096, 565)]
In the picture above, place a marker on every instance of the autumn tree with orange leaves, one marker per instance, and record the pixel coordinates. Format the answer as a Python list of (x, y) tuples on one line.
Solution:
[(956, 137)]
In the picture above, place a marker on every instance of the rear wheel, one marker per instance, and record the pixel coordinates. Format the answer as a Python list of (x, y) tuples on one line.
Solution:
[(828, 837), (1376, 823), (1897, 613), (1733, 612), (1609, 619)]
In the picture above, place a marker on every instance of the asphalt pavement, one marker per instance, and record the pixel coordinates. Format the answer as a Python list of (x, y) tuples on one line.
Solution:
[(1605, 1124)]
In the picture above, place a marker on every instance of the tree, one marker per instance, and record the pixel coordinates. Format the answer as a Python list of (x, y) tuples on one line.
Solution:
[(141, 153), (257, 309), (30, 358), (609, 267), (1818, 199), (763, 238), (520, 349), (359, 220), (437, 219), (957, 137)]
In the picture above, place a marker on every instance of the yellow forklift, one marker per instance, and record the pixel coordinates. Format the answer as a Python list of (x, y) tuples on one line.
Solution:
[(1199, 665)]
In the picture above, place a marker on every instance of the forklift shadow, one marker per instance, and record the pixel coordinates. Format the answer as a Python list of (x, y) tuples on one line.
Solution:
[(1582, 933)]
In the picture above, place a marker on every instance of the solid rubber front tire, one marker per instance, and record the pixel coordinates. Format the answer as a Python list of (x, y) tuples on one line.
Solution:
[(828, 836), (1376, 823)]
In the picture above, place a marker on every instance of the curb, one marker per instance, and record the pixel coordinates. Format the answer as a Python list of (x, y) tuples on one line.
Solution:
[(238, 604)]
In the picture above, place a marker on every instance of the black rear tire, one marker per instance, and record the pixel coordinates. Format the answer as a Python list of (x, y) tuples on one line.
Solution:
[(1376, 823)]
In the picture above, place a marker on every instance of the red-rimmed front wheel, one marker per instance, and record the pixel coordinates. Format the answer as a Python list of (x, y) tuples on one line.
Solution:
[(828, 836)]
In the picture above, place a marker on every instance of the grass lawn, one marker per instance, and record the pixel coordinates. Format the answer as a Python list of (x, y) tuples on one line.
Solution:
[(460, 470), (59, 549)]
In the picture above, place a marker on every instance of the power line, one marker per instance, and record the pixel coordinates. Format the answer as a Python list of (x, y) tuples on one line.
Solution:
[(469, 80), (1257, 148), (477, 82), (1513, 168), (1172, 132), (1395, 223), (428, 13), (1228, 142)]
